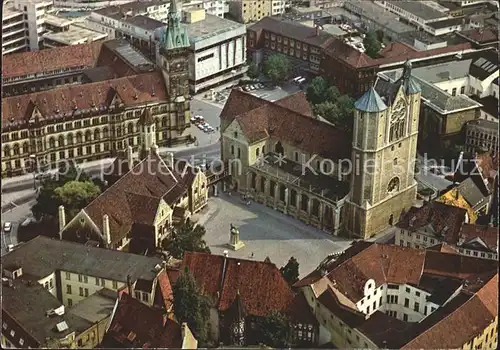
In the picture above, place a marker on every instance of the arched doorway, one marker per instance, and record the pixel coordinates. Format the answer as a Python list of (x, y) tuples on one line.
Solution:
[(391, 219)]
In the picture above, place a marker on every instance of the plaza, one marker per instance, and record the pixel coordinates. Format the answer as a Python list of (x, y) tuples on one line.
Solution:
[(266, 233)]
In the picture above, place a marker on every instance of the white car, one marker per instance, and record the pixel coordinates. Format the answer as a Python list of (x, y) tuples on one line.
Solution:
[(7, 227)]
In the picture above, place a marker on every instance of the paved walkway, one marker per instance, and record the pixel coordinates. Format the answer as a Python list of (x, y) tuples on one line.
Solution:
[(266, 233)]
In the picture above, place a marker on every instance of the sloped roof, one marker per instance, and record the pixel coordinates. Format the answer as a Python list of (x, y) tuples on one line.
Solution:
[(71, 101), (261, 119), (134, 198), (260, 284), (446, 220), (455, 198), (136, 325), (488, 234), (444, 248), (370, 102), (25, 63)]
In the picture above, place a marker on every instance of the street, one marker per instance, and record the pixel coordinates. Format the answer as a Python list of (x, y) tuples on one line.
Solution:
[(16, 216)]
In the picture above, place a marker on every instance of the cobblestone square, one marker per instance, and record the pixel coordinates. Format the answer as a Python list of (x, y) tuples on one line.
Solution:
[(266, 233)]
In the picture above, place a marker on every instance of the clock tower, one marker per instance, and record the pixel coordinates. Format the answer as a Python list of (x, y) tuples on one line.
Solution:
[(383, 155), (173, 58)]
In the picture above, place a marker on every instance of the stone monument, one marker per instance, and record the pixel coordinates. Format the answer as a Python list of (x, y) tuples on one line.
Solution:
[(234, 239)]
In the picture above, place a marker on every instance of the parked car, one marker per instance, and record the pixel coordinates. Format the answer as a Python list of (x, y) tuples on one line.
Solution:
[(260, 86), (193, 120), (201, 127), (210, 129), (10, 247), (246, 88), (7, 227), (251, 87)]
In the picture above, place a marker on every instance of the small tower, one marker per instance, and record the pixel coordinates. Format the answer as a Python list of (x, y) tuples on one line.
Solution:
[(147, 132)]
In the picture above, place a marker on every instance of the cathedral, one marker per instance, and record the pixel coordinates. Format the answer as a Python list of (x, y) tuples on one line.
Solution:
[(93, 109), (358, 184)]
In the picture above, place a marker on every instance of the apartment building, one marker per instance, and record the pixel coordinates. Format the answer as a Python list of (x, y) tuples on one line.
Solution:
[(481, 135), (51, 276), (385, 296), (245, 11), (438, 224)]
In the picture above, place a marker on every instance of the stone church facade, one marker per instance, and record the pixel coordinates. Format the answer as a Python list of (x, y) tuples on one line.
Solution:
[(278, 154)]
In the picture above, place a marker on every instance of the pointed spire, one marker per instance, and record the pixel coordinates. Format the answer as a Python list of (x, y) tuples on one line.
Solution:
[(410, 85)]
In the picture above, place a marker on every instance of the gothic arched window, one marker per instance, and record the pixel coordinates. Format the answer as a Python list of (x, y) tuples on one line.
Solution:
[(393, 185), (398, 118)]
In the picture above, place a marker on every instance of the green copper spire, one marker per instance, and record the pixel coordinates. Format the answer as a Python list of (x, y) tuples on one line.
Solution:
[(176, 35)]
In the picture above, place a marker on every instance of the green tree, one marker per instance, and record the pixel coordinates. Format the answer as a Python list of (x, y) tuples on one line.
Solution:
[(191, 306), (275, 330), (317, 90), (372, 45), (253, 71), (74, 195), (344, 115), (186, 237), (277, 68), (327, 110), (290, 271), (332, 94)]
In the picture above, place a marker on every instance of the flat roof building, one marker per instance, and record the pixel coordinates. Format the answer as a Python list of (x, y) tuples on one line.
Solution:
[(74, 35)]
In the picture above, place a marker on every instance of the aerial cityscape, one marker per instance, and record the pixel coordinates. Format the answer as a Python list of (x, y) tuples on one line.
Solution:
[(250, 174)]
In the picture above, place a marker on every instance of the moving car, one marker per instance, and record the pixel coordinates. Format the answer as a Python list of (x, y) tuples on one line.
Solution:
[(7, 227)]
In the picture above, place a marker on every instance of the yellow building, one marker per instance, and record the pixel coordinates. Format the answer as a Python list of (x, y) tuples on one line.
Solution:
[(454, 198), (251, 11)]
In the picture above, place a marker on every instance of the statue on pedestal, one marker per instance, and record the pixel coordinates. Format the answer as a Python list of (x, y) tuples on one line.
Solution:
[(234, 239)]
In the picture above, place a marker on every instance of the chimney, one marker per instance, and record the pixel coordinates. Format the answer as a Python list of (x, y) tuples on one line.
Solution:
[(170, 159), (155, 149), (105, 230), (129, 286), (130, 157), (62, 220)]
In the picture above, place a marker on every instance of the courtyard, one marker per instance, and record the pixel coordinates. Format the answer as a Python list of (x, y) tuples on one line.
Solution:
[(266, 233)]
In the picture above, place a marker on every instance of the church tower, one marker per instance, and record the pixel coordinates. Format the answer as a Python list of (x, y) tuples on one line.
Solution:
[(147, 133), (173, 58), (383, 155)]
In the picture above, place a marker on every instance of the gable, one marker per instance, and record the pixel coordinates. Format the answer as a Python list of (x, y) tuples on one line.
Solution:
[(236, 132)]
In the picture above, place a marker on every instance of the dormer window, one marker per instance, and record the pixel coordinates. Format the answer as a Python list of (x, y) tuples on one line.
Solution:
[(235, 134)]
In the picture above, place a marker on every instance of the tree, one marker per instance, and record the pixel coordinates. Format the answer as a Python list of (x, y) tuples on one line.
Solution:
[(277, 67), (327, 110), (186, 237), (372, 45), (74, 195), (345, 112), (290, 271), (253, 71), (317, 90), (191, 306), (332, 94), (275, 330)]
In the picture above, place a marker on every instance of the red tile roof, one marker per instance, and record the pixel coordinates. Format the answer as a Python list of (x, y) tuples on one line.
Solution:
[(134, 198), (137, 325), (444, 248), (73, 56), (61, 102), (463, 324), (395, 49), (488, 234), (481, 35), (260, 284), (444, 219), (165, 290), (260, 119), (341, 51)]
